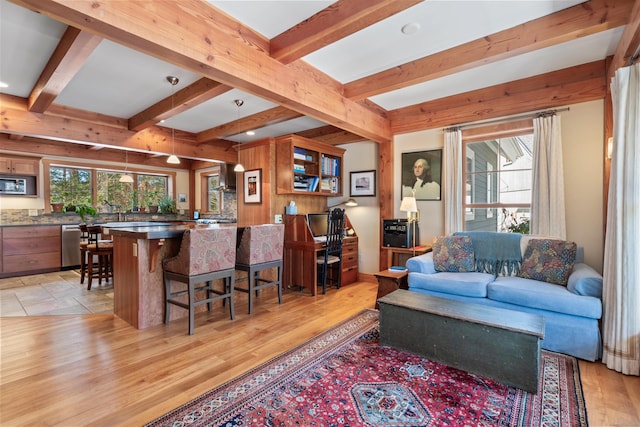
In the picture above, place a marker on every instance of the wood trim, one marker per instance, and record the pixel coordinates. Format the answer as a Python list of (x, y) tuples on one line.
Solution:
[(501, 130), (629, 43)]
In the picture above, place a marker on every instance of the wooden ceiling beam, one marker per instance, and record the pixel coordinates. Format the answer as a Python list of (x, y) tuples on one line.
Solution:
[(183, 100), (331, 135), (337, 21), (629, 44), (559, 88), (569, 24), (198, 37), (255, 121), (48, 148), (72, 51), (157, 140)]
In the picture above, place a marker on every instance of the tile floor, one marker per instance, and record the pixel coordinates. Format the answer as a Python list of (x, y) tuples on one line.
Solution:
[(53, 294)]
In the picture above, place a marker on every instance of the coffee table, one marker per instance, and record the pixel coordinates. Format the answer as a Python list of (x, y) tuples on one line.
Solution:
[(493, 342)]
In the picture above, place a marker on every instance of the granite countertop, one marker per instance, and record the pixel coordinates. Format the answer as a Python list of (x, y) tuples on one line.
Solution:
[(152, 231)]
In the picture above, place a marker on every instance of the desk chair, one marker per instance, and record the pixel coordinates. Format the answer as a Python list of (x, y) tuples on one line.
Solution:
[(260, 247), (332, 253), (103, 250), (206, 254)]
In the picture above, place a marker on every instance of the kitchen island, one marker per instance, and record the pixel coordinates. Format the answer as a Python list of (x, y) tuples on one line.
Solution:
[(138, 252)]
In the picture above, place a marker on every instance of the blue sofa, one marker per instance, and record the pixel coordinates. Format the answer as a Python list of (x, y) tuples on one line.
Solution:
[(571, 313)]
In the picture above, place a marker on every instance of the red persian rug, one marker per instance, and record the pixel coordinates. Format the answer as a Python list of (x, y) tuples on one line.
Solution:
[(344, 377)]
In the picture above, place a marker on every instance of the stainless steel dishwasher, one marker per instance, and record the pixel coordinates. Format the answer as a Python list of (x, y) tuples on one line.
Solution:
[(71, 246)]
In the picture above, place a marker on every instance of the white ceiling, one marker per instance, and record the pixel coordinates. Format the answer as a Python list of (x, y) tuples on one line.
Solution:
[(121, 82)]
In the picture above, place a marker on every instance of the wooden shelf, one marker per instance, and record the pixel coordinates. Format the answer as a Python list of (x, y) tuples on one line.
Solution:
[(308, 167)]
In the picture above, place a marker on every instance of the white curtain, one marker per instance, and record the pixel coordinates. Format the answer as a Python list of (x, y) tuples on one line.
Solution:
[(547, 196), (453, 215), (621, 293)]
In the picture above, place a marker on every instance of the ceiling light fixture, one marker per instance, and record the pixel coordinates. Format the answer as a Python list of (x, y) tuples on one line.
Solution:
[(410, 29), (126, 177), (173, 159)]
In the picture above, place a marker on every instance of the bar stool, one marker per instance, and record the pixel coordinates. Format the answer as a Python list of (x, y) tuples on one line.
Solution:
[(84, 241), (206, 254), (103, 249), (260, 247)]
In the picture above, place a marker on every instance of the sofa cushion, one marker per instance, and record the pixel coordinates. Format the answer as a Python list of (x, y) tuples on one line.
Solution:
[(453, 254), (548, 260), (471, 284), (545, 296), (584, 280)]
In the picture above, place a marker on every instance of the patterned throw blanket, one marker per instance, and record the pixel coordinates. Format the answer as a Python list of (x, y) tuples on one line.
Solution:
[(495, 253)]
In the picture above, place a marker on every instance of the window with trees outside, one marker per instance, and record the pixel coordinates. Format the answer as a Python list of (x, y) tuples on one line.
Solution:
[(102, 188), (214, 194), (498, 178)]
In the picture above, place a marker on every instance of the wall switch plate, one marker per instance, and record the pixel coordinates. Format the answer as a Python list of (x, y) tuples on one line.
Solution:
[(278, 219), (33, 212)]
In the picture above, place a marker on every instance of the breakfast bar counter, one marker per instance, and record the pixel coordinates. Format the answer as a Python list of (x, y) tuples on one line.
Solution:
[(138, 252)]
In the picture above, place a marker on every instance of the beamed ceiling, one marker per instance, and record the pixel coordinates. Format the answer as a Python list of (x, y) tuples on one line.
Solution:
[(92, 74)]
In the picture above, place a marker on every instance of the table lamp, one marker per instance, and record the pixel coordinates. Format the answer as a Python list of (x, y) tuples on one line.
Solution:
[(410, 206)]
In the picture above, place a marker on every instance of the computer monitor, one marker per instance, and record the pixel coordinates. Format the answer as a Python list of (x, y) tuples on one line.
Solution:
[(318, 223)]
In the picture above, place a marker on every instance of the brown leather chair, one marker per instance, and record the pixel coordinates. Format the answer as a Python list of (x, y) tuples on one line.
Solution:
[(206, 255), (260, 248)]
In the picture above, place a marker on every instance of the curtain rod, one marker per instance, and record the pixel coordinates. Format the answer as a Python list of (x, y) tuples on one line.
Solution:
[(508, 119)]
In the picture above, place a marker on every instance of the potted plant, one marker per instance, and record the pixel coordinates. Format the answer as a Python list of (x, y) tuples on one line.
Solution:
[(167, 205), (56, 206), (84, 209)]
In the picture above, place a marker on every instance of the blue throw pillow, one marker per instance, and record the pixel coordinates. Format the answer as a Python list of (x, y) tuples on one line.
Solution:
[(453, 254), (584, 280), (548, 260)]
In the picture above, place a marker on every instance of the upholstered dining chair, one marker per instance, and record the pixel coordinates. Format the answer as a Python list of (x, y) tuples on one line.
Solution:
[(330, 259), (206, 255), (260, 248), (100, 249)]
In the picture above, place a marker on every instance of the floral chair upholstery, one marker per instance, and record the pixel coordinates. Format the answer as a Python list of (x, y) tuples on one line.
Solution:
[(260, 247), (206, 254)]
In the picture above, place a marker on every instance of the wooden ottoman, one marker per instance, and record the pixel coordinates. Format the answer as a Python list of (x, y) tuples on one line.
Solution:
[(493, 342)]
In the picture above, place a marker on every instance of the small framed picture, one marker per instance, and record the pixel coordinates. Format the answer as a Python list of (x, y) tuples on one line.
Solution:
[(182, 198), (363, 183), (253, 186), (422, 174)]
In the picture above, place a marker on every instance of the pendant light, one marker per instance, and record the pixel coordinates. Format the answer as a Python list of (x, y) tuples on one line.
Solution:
[(173, 159), (126, 177), (239, 103)]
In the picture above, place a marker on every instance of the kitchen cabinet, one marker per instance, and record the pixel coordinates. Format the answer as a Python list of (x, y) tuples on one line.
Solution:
[(19, 165), (308, 167), (30, 249)]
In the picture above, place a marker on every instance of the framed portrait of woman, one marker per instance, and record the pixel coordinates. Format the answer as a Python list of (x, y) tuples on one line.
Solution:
[(422, 175)]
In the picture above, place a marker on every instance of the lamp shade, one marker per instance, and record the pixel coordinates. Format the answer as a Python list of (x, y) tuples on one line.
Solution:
[(173, 159), (409, 204), (126, 178), (238, 168)]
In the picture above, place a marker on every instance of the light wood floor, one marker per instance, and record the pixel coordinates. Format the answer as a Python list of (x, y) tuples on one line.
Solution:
[(95, 369)]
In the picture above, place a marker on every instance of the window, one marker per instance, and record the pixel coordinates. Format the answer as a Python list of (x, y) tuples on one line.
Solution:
[(498, 182), (214, 195), (71, 186), (102, 188)]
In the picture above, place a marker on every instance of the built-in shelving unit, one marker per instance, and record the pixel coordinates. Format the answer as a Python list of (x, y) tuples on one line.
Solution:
[(308, 167)]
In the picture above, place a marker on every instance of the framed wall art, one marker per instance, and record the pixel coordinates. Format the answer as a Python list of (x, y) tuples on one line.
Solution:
[(363, 183), (253, 186), (422, 175)]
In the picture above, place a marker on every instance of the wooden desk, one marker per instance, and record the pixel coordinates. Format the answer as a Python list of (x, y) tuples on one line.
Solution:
[(394, 255), (301, 252)]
